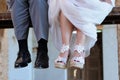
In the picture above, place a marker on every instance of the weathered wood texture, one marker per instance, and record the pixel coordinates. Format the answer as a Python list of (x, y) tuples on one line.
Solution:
[(113, 18), (117, 2), (3, 7), (5, 18)]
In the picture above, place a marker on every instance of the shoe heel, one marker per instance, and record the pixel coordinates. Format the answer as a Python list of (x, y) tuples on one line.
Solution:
[(61, 65), (21, 65), (76, 65)]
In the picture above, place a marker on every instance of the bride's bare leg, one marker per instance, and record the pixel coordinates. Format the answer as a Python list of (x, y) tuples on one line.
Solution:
[(80, 40), (78, 55), (66, 32), (66, 29)]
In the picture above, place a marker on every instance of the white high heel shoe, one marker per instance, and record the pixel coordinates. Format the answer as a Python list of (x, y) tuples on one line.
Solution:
[(78, 61), (61, 62)]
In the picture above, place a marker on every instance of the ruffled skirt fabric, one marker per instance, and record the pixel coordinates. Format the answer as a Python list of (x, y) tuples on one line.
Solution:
[(83, 14)]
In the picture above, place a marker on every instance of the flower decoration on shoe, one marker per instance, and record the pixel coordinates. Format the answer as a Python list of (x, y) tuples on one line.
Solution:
[(79, 60)]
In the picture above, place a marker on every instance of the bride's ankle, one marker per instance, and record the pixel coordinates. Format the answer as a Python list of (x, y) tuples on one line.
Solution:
[(64, 50), (79, 51)]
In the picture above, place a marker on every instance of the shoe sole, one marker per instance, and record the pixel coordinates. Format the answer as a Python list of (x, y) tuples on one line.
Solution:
[(41, 66), (76, 65), (60, 66), (22, 65)]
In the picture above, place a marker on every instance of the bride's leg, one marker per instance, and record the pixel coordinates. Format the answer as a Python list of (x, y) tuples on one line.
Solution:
[(80, 38), (78, 55), (66, 29), (66, 32)]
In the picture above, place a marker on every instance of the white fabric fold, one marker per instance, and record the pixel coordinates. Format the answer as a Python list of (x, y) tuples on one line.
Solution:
[(83, 14)]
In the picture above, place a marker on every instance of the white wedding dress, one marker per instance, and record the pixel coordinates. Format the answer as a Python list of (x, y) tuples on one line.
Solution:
[(83, 14)]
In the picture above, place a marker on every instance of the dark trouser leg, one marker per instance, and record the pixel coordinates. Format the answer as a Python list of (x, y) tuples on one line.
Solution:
[(20, 18), (39, 18)]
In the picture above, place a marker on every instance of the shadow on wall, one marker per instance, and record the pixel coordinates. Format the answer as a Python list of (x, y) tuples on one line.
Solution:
[(3, 55), (1, 35)]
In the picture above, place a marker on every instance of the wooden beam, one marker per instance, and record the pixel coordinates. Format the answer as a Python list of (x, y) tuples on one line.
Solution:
[(112, 18)]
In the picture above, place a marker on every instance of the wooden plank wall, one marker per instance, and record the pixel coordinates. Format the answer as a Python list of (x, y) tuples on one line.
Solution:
[(117, 2), (3, 7)]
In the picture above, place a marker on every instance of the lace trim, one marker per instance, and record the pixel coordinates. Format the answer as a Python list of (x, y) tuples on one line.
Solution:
[(79, 48), (64, 48)]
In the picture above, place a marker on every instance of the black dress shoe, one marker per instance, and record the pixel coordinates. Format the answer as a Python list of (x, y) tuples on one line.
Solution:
[(22, 60), (42, 59)]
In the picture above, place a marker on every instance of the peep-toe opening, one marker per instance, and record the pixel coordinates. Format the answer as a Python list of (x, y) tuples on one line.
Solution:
[(61, 62), (79, 60)]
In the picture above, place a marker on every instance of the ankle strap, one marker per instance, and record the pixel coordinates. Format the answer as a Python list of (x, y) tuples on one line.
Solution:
[(79, 48), (64, 48)]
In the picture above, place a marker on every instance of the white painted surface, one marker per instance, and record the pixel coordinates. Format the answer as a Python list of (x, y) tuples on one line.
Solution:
[(110, 58), (51, 73), (110, 53), (17, 74), (30, 73)]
